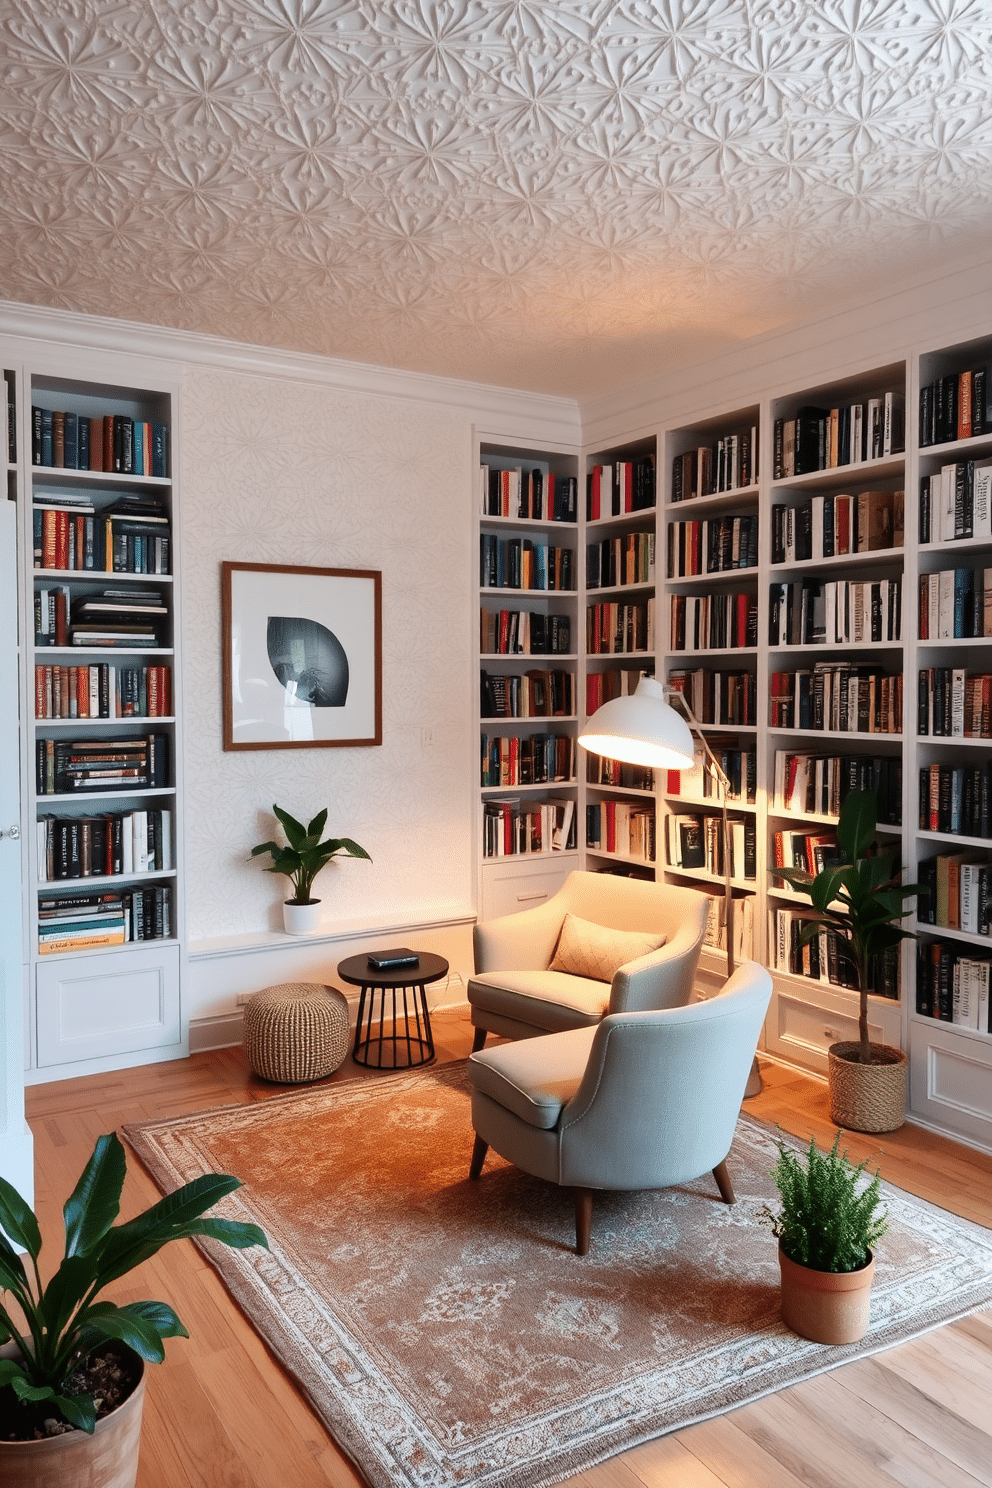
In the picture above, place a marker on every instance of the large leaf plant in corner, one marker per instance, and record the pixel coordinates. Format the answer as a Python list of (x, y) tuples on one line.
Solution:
[(66, 1321), (860, 899)]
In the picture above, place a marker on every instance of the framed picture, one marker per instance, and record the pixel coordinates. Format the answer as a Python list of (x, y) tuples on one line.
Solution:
[(302, 657)]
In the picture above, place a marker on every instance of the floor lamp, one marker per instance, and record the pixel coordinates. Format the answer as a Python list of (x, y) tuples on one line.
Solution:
[(644, 729)]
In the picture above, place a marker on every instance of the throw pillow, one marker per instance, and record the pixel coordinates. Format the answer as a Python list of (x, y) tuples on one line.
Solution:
[(595, 951)]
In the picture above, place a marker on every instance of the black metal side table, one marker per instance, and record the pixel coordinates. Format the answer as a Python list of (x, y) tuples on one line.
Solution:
[(411, 1042)]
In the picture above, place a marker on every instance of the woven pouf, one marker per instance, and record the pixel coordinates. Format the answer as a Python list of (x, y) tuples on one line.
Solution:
[(296, 1032)]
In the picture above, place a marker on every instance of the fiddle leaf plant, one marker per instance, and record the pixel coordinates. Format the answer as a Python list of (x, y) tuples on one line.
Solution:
[(860, 899), (304, 854), (66, 1321)]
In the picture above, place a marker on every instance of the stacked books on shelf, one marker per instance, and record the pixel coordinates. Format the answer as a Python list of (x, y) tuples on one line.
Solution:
[(827, 957), (518, 563), (696, 841), (534, 694), (121, 843), (10, 418), (118, 617), (511, 828), (954, 703), (957, 406), (600, 770), (617, 561), (952, 984), (956, 502), (529, 494), (101, 690), (621, 827), (624, 486), (524, 633), (131, 535), (817, 784), (956, 892), (817, 612), (71, 441), (809, 851), (602, 687), (72, 766), (715, 934), (837, 697), (713, 622), (719, 697), (612, 629), (510, 760), (713, 546), (76, 922), (729, 464), (740, 766), (955, 604), (817, 438), (956, 799), (835, 526)]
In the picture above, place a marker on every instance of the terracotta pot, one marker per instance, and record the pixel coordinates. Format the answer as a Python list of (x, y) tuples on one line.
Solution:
[(301, 919), (826, 1306), (867, 1097), (107, 1459)]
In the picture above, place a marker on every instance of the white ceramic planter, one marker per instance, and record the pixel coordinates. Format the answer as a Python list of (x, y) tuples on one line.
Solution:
[(301, 919)]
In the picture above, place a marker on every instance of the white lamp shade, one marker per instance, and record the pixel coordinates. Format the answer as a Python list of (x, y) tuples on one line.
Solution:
[(640, 730)]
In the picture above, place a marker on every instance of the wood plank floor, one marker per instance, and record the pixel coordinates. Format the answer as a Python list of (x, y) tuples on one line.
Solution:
[(221, 1413)]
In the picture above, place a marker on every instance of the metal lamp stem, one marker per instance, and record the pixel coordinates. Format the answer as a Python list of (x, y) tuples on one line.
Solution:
[(721, 777)]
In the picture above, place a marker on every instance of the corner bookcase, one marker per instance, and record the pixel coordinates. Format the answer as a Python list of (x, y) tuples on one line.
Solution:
[(101, 753)]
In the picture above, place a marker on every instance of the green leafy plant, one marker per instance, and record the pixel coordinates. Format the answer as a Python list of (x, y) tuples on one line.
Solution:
[(306, 854), (65, 1321), (860, 899), (829, 1218)]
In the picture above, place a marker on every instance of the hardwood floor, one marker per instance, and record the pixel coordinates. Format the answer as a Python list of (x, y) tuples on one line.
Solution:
[(221, 1413)]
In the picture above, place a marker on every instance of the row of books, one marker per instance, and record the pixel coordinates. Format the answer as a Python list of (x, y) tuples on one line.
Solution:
[(719, 697), (696, 841), (518, 563), (827, 957), (954, 703), (614, 628), (957, 406), (542, 758), (129, 617), (617, 561), (622, 827), (834, 526), (953, 984), (740, 766), (809, 851), (510, 828), (956, 799), (836, 697), (10, 418), (956, 502), (69, 533), (79, 922), (601, 770), (119, 843), (814, 612), (818, 784), (71, 441), (533, 694), (602, 687), (529, 494), (729, 464), (825, 438), (524, 633), (955, 603), (714, 546), (715, 934), (955, 892), (711, 622), (101, 690), (625, 486), (70, 766)]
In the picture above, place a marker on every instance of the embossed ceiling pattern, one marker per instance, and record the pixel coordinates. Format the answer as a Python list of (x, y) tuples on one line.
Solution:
[(558, 196)]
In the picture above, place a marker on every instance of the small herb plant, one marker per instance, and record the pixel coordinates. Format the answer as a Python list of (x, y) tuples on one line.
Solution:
[(66, 1321), (305, 854), (829, 1219)]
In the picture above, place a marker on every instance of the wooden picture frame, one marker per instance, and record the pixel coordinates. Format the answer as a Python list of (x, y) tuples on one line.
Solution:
[(302, 656)]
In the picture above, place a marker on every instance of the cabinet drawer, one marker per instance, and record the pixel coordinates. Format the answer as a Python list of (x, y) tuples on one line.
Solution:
[(90, 1006), (510, 885), (802, 1026)]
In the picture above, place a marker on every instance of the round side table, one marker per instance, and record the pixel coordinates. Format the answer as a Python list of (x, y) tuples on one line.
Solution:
[(410, 1041)]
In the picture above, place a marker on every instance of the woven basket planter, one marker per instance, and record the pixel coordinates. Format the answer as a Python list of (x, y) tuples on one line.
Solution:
[(296, 1032), (867, 1097)]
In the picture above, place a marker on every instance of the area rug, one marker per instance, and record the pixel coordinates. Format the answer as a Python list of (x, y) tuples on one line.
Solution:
[(445, 1330)]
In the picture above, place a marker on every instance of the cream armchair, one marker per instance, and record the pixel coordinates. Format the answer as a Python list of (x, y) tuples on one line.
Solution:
[(514, 992), (643, 1100)]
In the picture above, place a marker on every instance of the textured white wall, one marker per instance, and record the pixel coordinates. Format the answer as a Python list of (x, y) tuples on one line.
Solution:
[(280, 471)]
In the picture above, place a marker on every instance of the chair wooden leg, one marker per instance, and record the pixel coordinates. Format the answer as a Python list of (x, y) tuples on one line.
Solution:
[(478, 1157), (583, 1220), (723, 1183), (479, 1040)]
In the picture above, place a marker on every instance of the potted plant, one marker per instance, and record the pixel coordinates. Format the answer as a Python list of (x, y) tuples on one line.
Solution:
[(860, 899), (301, 860), (827, 1225), (71, 1345)]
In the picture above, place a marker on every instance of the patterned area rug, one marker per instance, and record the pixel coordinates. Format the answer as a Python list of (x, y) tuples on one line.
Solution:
[(445, 1330)]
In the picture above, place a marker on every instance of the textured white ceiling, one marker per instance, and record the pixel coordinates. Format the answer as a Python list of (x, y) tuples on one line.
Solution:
[(561, 197)]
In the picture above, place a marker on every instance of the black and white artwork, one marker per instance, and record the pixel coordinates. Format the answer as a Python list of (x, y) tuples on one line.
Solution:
[(302, 656)]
